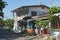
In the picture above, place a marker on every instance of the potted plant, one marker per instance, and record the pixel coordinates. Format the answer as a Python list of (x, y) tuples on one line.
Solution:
[(44, 26), (30, 31), (37, 25)]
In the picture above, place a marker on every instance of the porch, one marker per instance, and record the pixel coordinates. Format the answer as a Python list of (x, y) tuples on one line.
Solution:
[(29, 22)]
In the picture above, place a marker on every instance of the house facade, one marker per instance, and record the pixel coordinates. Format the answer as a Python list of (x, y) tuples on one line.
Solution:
[(26, 15)]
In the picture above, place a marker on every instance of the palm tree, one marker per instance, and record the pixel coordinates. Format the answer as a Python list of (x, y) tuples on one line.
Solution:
[(52, 11)]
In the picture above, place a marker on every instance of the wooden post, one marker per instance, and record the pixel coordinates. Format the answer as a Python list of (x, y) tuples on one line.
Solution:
[(58, 22)]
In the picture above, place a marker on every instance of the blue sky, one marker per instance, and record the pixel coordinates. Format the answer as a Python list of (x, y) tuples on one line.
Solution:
[(13, 4)]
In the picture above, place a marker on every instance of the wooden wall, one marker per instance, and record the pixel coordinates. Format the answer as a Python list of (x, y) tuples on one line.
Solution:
[(56, 22)]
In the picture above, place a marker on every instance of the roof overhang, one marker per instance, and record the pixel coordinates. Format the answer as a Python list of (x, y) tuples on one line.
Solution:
[(57, 14), (20, 8), (39, 17)]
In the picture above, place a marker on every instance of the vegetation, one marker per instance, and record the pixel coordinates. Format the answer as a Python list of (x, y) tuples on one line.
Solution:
[(9, 23), (52, 11), (2, 6), (44, 24), (2, 22), (37, 25), (41, 24), (51, 38)]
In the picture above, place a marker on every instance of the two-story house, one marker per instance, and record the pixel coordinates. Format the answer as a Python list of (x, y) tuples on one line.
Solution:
[(26, 15)]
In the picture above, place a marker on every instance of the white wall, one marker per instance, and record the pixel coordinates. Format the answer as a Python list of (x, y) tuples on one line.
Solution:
[(37, 9), (20, 17)]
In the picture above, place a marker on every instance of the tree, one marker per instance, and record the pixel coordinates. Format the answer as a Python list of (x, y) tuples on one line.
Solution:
[(9, 23), (2, 6), (52, 11), (2, 22)]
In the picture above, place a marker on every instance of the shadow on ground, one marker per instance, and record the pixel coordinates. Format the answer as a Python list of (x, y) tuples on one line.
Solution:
[(6, 35)]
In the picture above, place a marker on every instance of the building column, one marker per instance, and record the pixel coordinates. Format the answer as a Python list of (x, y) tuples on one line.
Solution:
[(15, 23), (15, 26), (13, 15), (29, 13), (49, 24)]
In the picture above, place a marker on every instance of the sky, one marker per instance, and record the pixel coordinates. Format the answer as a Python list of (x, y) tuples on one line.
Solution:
[(13, 4)]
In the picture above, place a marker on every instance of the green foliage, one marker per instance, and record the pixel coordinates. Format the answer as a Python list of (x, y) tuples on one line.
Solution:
[(2, 6), (37, 23), (1, 14), (9, 23), (2, 21), (51, 18), (50, 38), (52, 11), (43, 23)]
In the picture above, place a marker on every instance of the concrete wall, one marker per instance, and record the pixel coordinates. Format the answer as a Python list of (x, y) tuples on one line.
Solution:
[(38, 10)]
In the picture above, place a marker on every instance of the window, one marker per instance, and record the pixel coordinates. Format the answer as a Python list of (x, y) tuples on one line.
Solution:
[(40, 13), (42, 7), (33, 13)]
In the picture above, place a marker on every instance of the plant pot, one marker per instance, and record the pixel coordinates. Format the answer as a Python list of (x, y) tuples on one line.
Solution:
[(30, 31), (44, 31)]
